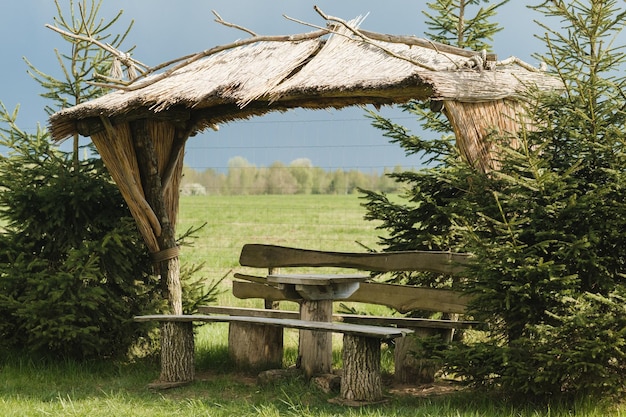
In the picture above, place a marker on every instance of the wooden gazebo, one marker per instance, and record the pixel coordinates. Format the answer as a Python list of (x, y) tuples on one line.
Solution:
[(140, 130)]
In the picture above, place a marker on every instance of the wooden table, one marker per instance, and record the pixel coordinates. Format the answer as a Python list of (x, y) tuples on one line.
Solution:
[(316, 293)]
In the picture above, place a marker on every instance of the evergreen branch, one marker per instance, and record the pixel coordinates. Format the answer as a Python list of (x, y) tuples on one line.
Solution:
[(125, 58)]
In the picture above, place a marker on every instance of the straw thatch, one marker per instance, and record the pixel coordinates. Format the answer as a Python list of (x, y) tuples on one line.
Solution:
[(336, 71)]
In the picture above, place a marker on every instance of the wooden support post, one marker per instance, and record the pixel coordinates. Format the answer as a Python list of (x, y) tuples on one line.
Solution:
[(177, 354), (361, 381), (410, 365), (316, 348), (255, 346), (177, 345), (271, 304)]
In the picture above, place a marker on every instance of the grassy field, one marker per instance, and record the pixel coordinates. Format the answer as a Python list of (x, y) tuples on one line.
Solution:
[(31, 387), (315, 222), (308, 221)]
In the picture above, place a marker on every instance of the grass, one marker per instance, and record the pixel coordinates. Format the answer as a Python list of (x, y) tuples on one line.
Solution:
[(315, 222), (309, 221), (39, 388), (36, 387)]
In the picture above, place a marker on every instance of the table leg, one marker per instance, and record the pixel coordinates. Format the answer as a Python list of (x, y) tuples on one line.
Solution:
[(315, 348)]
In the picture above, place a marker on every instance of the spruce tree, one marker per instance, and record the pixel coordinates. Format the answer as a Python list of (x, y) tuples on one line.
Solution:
[(82, 61), (546, 229), (420, 221), (550, 238), (73, 267)]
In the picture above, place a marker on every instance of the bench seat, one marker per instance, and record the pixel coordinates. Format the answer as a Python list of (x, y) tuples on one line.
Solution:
[(407, 322), (361, 380), (360, 330)]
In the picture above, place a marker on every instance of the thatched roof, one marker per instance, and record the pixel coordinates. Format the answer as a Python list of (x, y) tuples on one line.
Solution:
[(318, 71), (140, 131)]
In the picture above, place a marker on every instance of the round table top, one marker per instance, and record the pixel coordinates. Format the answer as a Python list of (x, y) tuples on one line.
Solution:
[(316, 279)]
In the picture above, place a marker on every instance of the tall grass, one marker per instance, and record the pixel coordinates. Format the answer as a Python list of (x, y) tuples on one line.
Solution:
[(38, 387)]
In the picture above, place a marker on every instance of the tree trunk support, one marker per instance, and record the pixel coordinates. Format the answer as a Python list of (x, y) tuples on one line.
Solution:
[(255, 346), (177, 344), (410, 365), (315, 347), (361, 382)]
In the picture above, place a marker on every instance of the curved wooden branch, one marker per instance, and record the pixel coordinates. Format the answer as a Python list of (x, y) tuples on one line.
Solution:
[(368, 40), (219, 19), (515, 60)]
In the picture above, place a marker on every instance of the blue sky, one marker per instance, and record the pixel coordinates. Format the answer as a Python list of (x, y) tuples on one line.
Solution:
[(165, 29)]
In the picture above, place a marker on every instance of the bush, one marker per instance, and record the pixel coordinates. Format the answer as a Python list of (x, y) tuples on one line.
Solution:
[(546, 229), (73, 267)]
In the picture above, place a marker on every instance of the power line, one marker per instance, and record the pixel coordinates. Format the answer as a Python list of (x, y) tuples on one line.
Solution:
[(296, 147)]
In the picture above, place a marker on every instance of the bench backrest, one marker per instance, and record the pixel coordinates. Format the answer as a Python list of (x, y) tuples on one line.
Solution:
[(272, 256), (402, 298)]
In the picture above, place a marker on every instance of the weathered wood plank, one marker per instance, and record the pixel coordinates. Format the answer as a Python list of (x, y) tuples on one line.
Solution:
[(345, 328), (315, 279), (249, 311), (319, 286), (406, 298), (408, 322), (401, 297), (271, 256), (251, 278), (246, 290)]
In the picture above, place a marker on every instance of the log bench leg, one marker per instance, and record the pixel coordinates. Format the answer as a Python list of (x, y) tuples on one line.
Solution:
[(410, 364), (177, 354), (255, 347), (361, 381)]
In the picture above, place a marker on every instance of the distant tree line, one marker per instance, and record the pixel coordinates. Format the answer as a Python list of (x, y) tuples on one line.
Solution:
[(299, 177)]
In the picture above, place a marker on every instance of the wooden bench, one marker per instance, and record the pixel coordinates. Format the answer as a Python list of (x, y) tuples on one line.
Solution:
[(361, 379), (399, 297)]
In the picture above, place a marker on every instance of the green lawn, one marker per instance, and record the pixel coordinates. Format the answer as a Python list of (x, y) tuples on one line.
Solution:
[(325, 222), (329, 222), (30, 387)]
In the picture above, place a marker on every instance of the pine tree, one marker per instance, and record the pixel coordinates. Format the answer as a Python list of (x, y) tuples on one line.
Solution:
[(546, 229), (422, 222), (73, 268), (84, 59), (550, 239)]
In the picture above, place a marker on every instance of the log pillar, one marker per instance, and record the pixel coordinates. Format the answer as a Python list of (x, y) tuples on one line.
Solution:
[(361, 381), (255, 347), (316, 348), (177, 344), (177, 353), (410, 365), (177, 339)]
